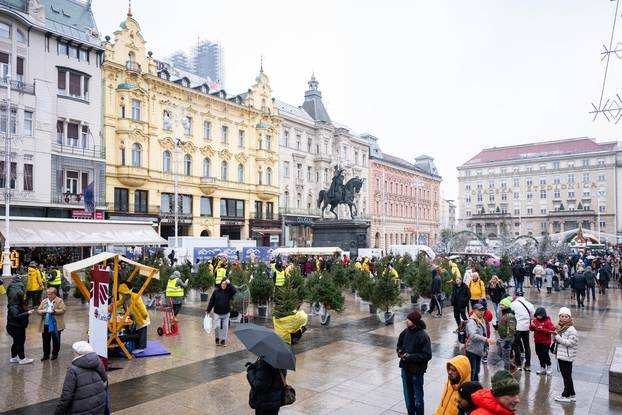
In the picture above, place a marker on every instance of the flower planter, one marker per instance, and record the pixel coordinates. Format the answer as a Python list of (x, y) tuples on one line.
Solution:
[(204, 296), (262, 311)]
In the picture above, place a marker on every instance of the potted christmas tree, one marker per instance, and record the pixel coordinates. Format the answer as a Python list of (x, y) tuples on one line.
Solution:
[(322, 289), (385, 293), (203, 281), (362, 282), (261, 289)]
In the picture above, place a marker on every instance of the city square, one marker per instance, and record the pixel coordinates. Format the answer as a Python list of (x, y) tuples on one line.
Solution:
[(330, 208)]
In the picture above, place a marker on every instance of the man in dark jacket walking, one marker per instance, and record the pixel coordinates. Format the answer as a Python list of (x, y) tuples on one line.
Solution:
[(436, 294), (220, 302), (84, 390), (518, 273), (460, 296), (579, 283), (415, 351), (267, 385)]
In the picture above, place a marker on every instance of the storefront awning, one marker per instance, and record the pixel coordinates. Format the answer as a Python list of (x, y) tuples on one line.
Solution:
[(267, 231), (46, 232)]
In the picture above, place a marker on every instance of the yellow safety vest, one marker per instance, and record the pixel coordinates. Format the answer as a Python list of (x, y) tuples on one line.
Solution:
[(273, 267), (220, 274), (172, 290), (57, 280), (280, 279)]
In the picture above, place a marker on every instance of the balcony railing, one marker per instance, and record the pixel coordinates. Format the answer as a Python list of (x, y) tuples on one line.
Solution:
[(94, 151), (16, 84), (573, 212), (133, 66)]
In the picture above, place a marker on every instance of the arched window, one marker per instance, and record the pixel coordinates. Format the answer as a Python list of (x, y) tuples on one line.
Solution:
[(223, 170), (136, 154), (241, 173), (166, 161), (259, 176), (269, 176), (207, 167), (187, 165)]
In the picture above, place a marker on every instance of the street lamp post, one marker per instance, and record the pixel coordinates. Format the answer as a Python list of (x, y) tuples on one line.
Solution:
[(417, 184), (6, 264)]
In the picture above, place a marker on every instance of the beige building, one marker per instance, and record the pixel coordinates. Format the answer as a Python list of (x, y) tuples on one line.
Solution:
[(547, 187), (160, 122)]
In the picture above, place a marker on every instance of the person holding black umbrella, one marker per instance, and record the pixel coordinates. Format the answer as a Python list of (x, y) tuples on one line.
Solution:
[(267, 385)]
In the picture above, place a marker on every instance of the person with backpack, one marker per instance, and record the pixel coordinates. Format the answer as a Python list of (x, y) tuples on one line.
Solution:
[(590, 283), (476, 339), (476, 288), (414, 350), (460, 296), (523, 311), (267, 384), (16, 286), (566, 345), (542, 328), (506, 327)]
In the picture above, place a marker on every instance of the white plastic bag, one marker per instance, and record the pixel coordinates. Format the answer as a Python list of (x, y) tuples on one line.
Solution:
[(207, 324)]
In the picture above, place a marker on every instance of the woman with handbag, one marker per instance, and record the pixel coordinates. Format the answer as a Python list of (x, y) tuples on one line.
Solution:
[(565, 348), (269, 390)]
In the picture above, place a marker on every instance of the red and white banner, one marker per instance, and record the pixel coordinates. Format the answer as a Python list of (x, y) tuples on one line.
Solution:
[(98, 311)]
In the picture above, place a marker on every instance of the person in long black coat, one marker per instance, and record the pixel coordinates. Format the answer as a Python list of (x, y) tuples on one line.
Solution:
[(460, 296), (267, 385)]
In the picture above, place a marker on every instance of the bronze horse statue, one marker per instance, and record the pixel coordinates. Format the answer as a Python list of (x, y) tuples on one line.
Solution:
[(350, 189)]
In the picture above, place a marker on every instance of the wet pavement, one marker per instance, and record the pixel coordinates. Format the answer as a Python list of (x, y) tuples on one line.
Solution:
[(347, 368)]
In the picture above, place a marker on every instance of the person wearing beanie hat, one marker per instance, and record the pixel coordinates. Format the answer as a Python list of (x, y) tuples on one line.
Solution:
[(542, 327), (458, 372), (414, 350), (501, 399), (567, 343), (465, 399), (506, 327), (84, 389)]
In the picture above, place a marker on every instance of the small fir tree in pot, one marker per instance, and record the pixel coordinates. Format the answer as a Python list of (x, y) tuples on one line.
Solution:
[(322, 289), (505, 270), (203, 281), (286, 299), (385, 293), (261, 290)]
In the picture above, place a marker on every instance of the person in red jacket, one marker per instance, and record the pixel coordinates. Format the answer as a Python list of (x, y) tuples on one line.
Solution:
[(488, 320), (542, 328), (501, 399)]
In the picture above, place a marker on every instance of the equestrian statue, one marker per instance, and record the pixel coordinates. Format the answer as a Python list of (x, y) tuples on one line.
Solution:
[(340, 194)]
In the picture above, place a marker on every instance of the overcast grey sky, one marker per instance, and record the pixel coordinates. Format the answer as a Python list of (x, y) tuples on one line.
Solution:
[(445, 78)]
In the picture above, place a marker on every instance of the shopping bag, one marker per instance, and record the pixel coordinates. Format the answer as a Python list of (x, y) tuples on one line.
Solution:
[(207, 324)]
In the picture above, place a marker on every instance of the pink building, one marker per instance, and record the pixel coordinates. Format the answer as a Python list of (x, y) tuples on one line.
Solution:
[(404, 199)]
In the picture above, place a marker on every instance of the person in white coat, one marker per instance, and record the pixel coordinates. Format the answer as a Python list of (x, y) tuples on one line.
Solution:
[(523, 311), (538, 273), (566, 345)]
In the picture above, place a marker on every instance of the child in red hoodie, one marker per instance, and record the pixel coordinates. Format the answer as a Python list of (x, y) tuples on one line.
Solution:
[(542, 327)]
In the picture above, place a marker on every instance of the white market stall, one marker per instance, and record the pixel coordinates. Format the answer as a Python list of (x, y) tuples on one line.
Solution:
[(308, 251)]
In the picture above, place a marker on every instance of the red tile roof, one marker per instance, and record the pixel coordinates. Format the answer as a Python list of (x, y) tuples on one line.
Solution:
[(543, 149)]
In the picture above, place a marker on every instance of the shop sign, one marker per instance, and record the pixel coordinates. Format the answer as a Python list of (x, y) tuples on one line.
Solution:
[(274, 239), (83, 214), (299, 220)]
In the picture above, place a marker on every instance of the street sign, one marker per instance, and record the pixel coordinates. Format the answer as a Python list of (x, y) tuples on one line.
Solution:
[(274, 239)]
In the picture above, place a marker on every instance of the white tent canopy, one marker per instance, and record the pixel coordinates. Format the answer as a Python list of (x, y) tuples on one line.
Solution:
[(307, 251), (105, 256), (46, 232), (587, 233)]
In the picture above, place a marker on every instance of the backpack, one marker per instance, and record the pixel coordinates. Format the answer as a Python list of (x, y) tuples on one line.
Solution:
[(462, 335)]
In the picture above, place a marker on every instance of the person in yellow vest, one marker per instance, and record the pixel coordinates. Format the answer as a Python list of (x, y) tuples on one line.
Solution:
[(210, 267), (393, 272), (139, 314), (221, 274), (357, 264), (55, 280), (34, 286), (477, 288), (318, 265), (175, 291), (366, 264), (279, 276)]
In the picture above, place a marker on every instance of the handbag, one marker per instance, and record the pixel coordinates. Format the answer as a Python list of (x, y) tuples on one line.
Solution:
[(553, 348), (288, 394)]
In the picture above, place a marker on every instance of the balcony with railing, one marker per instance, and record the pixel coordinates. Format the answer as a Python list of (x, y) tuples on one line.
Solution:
[(132, 176), (132, 66), (74, 148), (17, 85), (208, 185), (572, 213)]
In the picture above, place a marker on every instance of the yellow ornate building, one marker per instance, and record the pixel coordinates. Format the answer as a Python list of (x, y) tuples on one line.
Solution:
[(159, 121)]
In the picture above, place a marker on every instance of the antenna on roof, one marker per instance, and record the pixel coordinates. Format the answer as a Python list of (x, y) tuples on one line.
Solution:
[(261, 64), (129, 8)]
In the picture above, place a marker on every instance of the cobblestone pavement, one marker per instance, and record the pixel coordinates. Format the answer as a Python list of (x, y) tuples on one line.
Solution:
[(347, 368)]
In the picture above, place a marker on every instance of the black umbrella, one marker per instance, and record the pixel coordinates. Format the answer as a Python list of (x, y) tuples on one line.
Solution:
[(267, 344)]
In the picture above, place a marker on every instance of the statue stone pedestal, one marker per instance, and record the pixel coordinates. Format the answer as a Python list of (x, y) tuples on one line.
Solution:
[(348, 234)]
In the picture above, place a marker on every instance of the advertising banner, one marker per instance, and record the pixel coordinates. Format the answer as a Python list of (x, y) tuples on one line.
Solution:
[(256, 254), (98, 312), (204, 254)]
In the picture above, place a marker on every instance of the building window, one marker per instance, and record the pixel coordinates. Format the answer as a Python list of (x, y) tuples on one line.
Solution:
[(224, 132), (491, 197), (241, 138), (207, 167), (529, 211), (517, 212), (28, 177), (85, 136), (28, 123), (78, 84), (556, 194), (269, 142), (601, 162), (206, 206), (122, 155), (188, 125), (587, 193), (516, 182), (136, 109), (556, 180), (223, 170), (121, 197), (207, 130), (586, 177), (187, 165), (543, 211), (258, 210), (529, 182), (542, 181), (603, 224), (136, 154), (231, 208), (241, 173), (3, 121), (4, 65), (13, 175), (19, 71), (259, 176), (286, 169), (601, 177), (166, 121), (286, 138), (571, 194), (141, 198), (297, 141), (5, 30), (269, 176), (542, 194), (269, 210), (586, 163), (602, 208), (299, 171), (570, 177), (166, 161), (556, 165), (529, 195)]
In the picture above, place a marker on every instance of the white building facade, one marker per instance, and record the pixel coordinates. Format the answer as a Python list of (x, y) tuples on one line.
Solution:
[(52, 52), (310, 146), (548, 187)]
